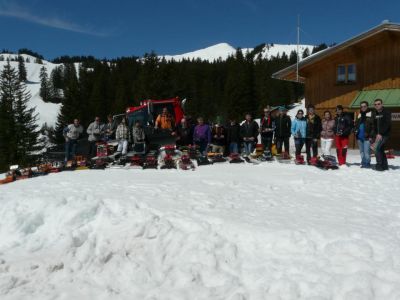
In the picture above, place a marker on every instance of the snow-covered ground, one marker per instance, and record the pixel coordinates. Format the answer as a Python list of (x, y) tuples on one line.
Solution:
[(268, 231), (47, 112)]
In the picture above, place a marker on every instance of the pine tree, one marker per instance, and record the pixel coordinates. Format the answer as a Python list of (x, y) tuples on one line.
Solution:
[(45, 87), (7, 122), (27, 133), (56, 85), (71, 107), (21, 69), (306, 53), (18, 128)]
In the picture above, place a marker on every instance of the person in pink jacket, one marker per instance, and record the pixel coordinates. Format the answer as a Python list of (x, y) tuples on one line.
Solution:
[(327, 133)]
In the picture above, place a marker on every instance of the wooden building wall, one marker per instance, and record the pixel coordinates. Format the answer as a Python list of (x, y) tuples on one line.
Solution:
[(377, 62)]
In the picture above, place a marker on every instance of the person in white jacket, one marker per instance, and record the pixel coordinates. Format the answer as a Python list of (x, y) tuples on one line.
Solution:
[(95, 132), (71, 134), (121, 135)]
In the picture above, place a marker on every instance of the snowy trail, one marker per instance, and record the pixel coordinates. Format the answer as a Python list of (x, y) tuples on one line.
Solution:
[(270, 231)]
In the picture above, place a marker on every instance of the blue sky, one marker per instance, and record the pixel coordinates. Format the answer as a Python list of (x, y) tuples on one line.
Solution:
[(120, 28)]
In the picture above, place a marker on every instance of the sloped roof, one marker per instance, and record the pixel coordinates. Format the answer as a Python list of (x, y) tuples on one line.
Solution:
[(386, 26)]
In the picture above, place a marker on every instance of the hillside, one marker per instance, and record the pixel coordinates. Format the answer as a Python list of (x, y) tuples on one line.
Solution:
[(47, 112)]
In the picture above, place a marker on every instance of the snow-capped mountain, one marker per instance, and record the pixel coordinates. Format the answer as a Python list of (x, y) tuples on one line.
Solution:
[(224, 50)]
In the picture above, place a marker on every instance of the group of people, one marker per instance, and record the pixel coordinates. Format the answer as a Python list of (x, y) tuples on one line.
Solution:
[(371, 128)]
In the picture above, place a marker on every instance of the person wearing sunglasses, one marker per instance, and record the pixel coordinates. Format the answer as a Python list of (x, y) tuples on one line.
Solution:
[(382, 119), (362, 131)]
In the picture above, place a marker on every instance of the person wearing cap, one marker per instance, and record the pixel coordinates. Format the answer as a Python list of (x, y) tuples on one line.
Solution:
[(249, 133), (283, 125), (327, 133), (381, 131), (343, 128), (267, 127), (314, 128), (362, 130), (299, 131)]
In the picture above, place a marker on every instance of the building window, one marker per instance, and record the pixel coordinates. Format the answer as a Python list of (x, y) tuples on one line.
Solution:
[(346, 73)]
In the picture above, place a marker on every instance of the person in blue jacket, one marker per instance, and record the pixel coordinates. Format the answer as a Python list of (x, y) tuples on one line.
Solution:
[(299, 131)]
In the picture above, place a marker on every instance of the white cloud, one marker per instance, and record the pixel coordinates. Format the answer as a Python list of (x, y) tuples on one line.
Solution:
[(12, 10)]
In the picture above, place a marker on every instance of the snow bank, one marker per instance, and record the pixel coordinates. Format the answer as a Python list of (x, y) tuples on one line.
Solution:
[(270, 231)]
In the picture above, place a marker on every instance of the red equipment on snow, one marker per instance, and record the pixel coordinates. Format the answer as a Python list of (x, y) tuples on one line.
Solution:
[(147, 112), (300, 160)]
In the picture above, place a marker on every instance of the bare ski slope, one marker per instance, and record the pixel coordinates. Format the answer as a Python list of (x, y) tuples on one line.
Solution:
[(268, 231)]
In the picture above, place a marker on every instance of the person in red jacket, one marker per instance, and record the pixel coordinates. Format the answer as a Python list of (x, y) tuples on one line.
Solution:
[(343, 128)]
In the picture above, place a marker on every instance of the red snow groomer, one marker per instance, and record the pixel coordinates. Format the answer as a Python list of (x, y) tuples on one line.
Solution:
[(146, 113)]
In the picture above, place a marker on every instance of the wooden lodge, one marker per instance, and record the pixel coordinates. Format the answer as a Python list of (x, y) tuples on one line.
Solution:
[(365, 67)]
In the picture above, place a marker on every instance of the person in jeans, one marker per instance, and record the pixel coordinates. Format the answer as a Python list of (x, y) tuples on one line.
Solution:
[(382, 119), (343, 128), (249, 133), (363, 128), (95, 132), (233, 136), (314, 128), (202, 136), (327, 134), (71, 134), (299, 131)]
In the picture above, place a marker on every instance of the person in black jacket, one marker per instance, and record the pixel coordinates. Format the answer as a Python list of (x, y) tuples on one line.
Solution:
[(314, 128), (233, 136), (267, 127), (381, 131), (184, 133), (343, 128), (249, 133), (218, 139), (283, 125), (362, 131)]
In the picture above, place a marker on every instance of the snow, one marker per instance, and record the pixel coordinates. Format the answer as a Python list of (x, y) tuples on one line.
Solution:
[(268, 231), (224, 50), (47, 112), (226, 231)]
